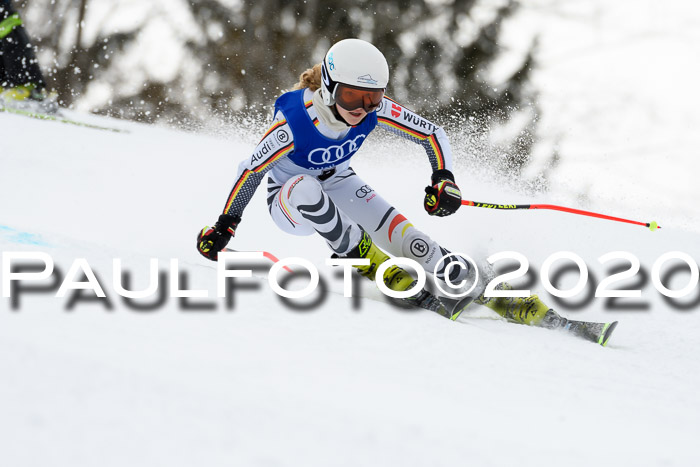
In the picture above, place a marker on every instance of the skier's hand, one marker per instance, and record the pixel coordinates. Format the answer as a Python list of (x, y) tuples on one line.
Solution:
[(443, 197), (211, 240)]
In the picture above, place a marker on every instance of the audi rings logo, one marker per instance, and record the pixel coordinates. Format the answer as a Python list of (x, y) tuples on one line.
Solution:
[(419, 247), (334, 154), (363, 191)]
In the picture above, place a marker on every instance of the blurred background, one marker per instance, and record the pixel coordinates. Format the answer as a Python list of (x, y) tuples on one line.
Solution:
[(591, 102)]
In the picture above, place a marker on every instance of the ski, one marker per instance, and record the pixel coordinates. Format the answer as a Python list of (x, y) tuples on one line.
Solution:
[(454, 307), (448, 308), (58, 118), (451, 309), (594, 332)]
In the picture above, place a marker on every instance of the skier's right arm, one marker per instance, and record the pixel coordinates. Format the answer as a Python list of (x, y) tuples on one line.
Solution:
[(276, 144)]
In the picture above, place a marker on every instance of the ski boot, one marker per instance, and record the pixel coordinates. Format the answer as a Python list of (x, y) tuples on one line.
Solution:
[(533, 312), (530, 310), (29, 97), (395, 278)]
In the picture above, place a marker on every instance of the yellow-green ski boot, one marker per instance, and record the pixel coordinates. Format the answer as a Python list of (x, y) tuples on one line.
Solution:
[(394, 277), (533, 312)]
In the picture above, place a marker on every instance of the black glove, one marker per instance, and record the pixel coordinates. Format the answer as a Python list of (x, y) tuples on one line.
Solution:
[(211, 240), (443, 197)]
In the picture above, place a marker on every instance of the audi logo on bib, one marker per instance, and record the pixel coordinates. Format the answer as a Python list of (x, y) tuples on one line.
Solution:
[(334, 154)]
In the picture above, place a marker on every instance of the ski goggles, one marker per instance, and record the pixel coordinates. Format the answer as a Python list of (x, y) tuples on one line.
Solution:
[(352, 97)]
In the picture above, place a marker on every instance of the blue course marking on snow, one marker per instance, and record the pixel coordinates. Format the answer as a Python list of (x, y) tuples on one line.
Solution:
[(16, 236)]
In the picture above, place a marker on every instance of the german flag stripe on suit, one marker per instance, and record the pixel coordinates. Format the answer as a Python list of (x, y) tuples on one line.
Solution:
[(260, 168), (425, 138)]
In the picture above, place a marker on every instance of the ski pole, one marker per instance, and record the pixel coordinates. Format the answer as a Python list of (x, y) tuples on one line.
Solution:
[(266, 254), (651, 225)]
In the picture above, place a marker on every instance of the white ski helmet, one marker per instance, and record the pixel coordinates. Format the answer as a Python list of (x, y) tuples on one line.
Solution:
[(353, 62)]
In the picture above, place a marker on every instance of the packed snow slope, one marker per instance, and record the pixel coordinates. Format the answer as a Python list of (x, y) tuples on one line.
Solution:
[(346, 382)]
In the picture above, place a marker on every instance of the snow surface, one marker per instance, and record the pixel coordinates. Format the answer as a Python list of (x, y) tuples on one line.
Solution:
[(266, 385)]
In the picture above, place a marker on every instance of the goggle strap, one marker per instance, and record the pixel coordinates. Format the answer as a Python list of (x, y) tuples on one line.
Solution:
[(331, 85)]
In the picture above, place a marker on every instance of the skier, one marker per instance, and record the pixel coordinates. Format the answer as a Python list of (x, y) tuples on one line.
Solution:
[(311, 188), (20, 76)]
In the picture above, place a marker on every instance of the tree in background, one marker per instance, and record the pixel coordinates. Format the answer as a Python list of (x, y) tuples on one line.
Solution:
[(234, 57), (439, 54), (74, 63)]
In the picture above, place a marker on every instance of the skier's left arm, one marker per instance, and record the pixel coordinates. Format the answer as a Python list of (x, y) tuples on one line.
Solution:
[(442, 196)]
